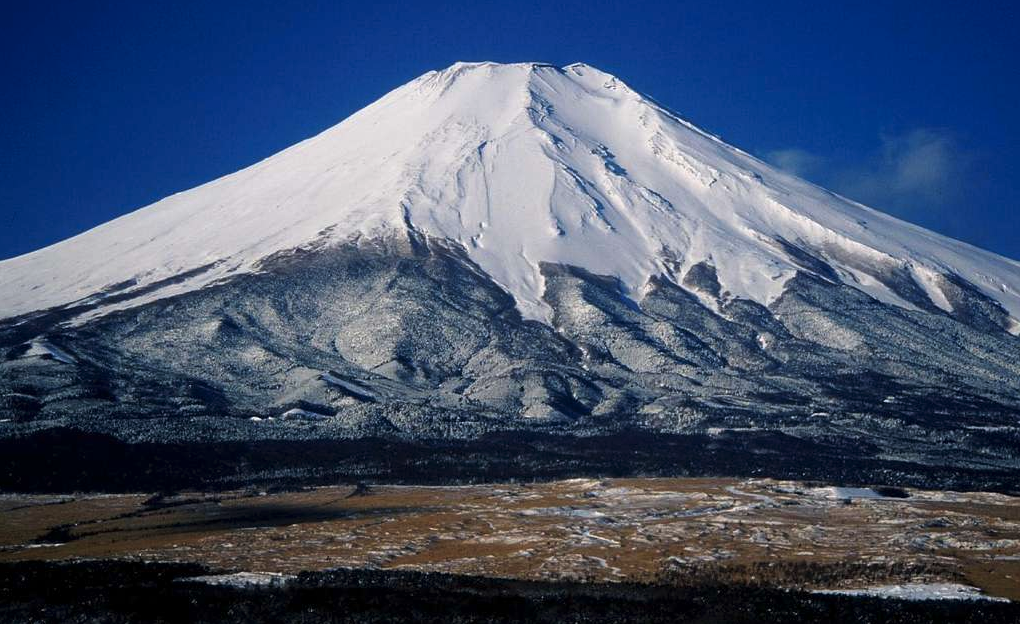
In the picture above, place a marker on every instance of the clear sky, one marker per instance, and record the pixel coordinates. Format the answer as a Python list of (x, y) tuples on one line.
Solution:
[(109, 106)]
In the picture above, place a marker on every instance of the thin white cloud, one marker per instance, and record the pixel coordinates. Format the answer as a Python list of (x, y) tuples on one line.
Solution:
[(914, 174), (925, 166), (797, 161)]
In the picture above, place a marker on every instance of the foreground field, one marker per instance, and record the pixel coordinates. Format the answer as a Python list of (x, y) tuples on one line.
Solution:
[(684, 532), (124, 592)]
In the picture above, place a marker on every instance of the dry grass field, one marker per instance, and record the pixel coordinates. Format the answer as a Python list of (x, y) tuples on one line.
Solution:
[(673, 530)]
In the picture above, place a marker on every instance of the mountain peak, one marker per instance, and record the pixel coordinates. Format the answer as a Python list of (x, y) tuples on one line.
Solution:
[(487, 75)]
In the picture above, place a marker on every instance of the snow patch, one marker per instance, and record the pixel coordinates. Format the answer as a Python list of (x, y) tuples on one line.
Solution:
[(350, 387), (569, 512), (1014, 326), (929, 281), (839, 493), (917, 591), (242, 579), (44, 348), (302, 414)]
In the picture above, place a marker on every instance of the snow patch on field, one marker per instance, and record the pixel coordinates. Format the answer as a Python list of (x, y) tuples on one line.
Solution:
[(917, 591), (243, 579), (844, 492), (570, 512), (761, 497)]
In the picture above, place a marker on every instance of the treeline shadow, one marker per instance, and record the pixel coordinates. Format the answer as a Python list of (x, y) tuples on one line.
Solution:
[(62, 460)]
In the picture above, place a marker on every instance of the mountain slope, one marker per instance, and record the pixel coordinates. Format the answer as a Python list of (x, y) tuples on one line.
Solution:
[(509, 247)]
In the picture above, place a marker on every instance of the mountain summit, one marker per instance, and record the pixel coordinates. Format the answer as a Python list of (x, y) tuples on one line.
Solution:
[(520, 165), (519, 247)]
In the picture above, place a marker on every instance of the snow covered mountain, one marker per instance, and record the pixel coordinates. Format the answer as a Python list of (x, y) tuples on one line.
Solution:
[(520, 164), (503, 246)]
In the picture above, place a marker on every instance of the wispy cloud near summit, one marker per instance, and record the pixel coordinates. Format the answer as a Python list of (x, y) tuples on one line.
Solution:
[(925, 166), (922, 175)]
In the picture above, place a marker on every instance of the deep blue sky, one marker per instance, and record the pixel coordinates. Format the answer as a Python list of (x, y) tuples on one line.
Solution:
[(108, 106)]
